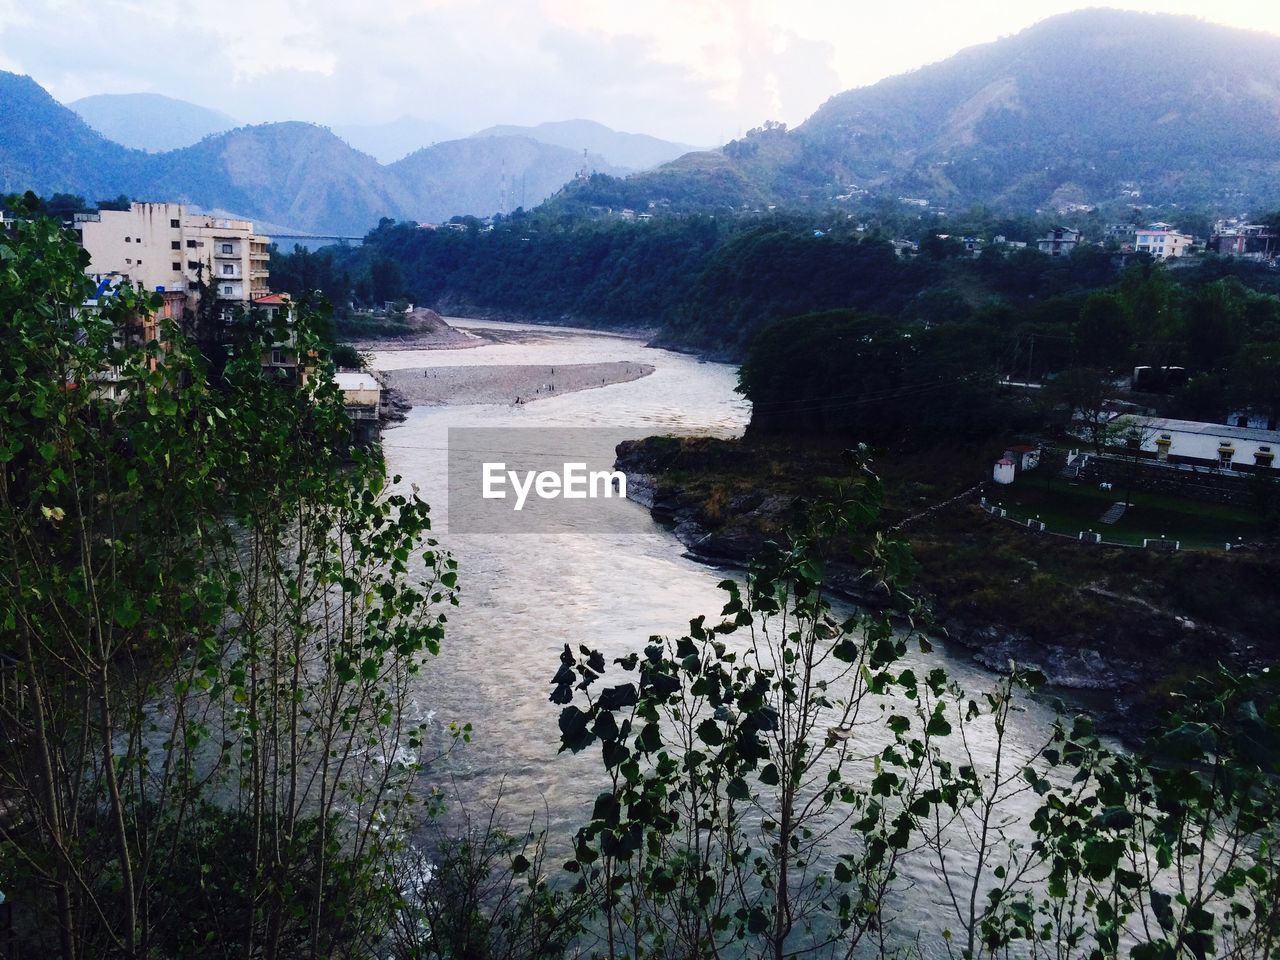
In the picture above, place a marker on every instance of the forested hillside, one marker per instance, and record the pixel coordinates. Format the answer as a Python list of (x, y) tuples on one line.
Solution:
[(1093, 107), (713, 285)]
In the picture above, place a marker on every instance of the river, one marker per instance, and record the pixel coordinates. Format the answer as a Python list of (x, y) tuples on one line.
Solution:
[(525, 596)]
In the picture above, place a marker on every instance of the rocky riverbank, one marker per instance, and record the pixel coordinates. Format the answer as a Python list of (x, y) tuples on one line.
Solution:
[(1123, 628)]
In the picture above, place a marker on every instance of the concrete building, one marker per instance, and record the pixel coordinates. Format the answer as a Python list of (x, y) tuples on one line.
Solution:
[(1208, 444), (1252, 241), (163, 247), (1162, 243), (1024, 456), (361, 396), (1060, 241)]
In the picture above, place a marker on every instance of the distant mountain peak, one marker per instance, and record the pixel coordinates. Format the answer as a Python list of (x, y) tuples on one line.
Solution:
[(150, 121), (631, 151)]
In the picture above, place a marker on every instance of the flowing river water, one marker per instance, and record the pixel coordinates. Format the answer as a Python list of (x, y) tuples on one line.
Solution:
[(525, 596)]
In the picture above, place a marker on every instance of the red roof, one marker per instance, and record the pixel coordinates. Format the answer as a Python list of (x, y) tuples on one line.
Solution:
[(273, 299), (1005, 462)]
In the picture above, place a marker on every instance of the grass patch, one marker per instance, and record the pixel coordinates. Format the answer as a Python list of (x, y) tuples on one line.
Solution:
[(1068, 508)]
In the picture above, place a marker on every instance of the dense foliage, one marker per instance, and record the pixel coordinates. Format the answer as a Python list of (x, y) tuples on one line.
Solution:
[(781, 775), (714, 285), (209, 621), (849, 375)]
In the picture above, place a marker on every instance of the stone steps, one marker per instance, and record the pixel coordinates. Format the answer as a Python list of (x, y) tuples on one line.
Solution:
[(1114, 513)]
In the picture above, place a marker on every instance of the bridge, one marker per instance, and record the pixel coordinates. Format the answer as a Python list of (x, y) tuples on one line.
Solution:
[(312, 239)]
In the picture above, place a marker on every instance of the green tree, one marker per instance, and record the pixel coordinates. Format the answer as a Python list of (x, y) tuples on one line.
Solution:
[(1084, 392), (1103, 334), (1214, 324), (729, 754), (1253, 382), (210, 620), (386, 280)]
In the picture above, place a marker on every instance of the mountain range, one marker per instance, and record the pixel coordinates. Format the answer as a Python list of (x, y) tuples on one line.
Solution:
[(156, 123), (1095, 107), (1088, 108), (294, 176)]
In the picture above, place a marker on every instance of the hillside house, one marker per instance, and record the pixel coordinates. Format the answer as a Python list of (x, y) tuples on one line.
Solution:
[(1163, 243), (1250, 241), (1060, 241)]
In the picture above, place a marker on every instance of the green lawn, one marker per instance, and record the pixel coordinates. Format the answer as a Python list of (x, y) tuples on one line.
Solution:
[(1069, 508)]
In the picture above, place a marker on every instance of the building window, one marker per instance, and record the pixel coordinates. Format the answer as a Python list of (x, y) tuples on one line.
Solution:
[(174, 224), (226, 248), (277, 356), (191, 244), (129, 261), (192, 265), (175, 244), (229, 269), (176, 266), (227, 289), (128, 239)]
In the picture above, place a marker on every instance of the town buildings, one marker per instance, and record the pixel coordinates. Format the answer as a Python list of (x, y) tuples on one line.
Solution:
[(164, 247)]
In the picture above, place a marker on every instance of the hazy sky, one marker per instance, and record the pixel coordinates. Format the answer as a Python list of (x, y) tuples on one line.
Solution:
[(700, 71)]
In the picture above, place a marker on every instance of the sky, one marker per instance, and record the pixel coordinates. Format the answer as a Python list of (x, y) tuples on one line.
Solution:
[(695, 71)]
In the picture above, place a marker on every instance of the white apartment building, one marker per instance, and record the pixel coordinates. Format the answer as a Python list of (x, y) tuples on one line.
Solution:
[(163, 247), (1162, 243)]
